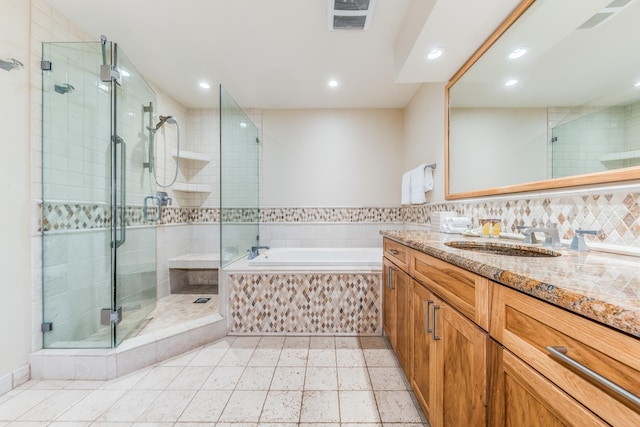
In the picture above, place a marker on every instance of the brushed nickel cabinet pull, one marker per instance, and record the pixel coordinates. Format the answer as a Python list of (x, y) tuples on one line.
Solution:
[(393, 251), (390, 278), (426, 315), (433, 323), (560, 353)]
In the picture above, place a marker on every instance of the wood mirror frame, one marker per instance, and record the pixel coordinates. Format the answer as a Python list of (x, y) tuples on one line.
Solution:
[(618, 175)]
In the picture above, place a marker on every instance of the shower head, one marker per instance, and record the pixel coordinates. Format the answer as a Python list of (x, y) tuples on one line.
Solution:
[(10, 64), (163, 119)]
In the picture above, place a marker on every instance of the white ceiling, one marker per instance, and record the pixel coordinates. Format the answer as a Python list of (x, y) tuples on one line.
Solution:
[(281, 54)]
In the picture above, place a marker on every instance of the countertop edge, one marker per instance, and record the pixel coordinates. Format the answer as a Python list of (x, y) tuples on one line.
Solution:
[(600, 311)]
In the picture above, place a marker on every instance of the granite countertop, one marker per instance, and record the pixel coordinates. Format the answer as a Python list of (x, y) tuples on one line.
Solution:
[(600, 286)]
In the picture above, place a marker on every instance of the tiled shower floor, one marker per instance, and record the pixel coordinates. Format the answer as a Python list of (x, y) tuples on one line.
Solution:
[(242, 382)]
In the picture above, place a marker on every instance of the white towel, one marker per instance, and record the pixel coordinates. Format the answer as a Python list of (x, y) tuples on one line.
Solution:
[(458, 221), (421, 182), (406, 188)]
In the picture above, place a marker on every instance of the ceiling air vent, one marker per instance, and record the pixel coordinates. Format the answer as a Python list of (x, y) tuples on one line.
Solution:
[(350, 14)]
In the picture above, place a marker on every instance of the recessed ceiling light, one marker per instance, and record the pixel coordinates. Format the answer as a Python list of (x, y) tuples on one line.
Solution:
[(511, 82), (333, 83), (435, 53), (518, 53), (204, 85)]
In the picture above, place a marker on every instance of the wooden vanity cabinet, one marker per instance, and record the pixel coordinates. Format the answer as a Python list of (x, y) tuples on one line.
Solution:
[(396, 311), (525, 327), (449, 348)]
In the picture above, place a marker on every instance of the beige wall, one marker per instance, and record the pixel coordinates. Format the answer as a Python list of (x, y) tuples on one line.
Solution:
[(331, 158), (15, 290), (424, 135)]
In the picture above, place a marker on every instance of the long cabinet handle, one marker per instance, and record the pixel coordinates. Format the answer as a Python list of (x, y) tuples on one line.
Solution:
[(561, 354), (433, 322), (426, 315), (390, 278)]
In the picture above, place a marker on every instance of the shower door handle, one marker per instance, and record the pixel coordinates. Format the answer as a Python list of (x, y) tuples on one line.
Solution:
[(123, 188), (145, 208)]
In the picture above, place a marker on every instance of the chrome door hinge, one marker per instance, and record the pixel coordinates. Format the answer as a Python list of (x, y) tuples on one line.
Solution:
[(46, 327), (46, 65), (108, 316)]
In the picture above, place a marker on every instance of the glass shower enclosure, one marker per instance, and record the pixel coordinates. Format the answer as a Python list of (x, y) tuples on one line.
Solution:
[(99, 252), (239, 183)]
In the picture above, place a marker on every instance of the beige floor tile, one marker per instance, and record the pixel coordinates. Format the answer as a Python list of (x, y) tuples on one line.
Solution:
[(296, 342), (126, 382), (319, 357), (347, 342), (158, 378), (282, 407), (277, 424), (388, 379), (54, 406), (353, 379), (350, 357), (92, 406), (373, 343), (50, 384), (223, 378), (168, 406), (380, 358), (181, 424), (208, 357), (237, 425), (288, 378), (108, 424), (264, 357), (22, 402), (322, 343), (322, 378), (274, 343), (397, 407), (181, 360), (244, 406), (361, 425), (249, 342), (405, 425), (190, 378), (130, 406), (223, 343), (206, 406), (358, 406), (293, 357), (319, 425), (320, 407), (236, 357), (255, 378)]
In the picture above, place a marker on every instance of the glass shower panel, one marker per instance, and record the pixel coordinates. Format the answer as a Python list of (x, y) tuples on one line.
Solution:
[(76, 214), (239, 161), (135, 281)]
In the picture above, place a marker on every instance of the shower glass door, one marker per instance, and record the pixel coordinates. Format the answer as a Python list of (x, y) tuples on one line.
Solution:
[(86, 275)]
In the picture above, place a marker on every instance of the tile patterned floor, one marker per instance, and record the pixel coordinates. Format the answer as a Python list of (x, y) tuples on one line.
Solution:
[(235, 382)]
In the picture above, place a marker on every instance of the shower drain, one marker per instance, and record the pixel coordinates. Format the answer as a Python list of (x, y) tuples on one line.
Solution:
[(201, 300)]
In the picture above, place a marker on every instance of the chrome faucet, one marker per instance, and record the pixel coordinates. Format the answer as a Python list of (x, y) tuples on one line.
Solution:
[(255, 251), (553, 237), (578, 243), (529, 235)]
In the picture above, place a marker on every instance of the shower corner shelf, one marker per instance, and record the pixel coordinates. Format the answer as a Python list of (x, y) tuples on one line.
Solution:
[(191, 188), (192, 155)]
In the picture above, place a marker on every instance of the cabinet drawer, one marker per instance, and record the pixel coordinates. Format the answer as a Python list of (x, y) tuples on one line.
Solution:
[(527, 326), (398, 253), (465, 291)]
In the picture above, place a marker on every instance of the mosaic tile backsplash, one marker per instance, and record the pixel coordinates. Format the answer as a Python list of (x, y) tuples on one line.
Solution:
[(615, 213), (305, 303)]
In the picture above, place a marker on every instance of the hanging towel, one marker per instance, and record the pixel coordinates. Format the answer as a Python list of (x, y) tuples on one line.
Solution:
[(406, 188), (421, 181)]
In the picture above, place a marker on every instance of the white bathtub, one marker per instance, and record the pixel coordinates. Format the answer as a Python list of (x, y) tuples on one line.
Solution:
[(296, 257)]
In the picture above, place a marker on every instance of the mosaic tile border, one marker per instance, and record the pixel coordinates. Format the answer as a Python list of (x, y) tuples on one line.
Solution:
[(348, 303), (615, 213)]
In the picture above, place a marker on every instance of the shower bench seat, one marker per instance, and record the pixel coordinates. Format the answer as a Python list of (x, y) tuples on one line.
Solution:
[(194, 273)]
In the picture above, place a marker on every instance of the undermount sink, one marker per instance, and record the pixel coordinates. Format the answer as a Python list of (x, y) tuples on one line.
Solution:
[(503, 249)]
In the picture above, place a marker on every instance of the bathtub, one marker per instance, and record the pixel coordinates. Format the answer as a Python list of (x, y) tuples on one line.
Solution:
[(337, 257)]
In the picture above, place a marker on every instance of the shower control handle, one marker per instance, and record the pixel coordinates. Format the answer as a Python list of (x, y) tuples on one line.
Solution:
[(145, 208)]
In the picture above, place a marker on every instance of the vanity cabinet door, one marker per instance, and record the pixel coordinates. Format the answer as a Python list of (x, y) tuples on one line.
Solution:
[(423, 380), (520, 396), (397, 311), (449, 363)]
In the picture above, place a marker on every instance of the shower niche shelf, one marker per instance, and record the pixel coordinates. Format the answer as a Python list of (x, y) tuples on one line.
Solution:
[(191, 188), (192, 156)]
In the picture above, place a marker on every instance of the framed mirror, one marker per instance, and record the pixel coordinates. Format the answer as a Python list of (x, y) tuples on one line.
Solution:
[(551, 100)]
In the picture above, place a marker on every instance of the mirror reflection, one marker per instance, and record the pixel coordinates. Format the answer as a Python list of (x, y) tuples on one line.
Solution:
[(556, 96)]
